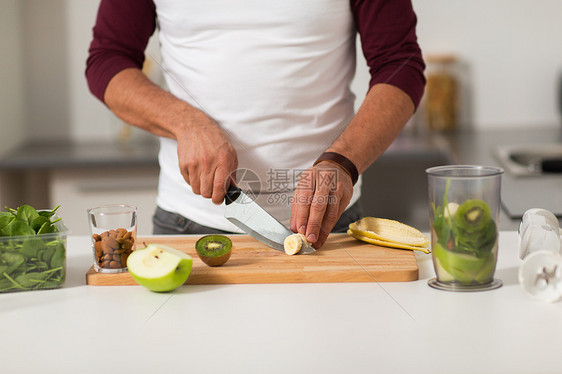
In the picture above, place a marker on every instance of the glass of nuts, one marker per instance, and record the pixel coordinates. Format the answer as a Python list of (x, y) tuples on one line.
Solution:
[(114, 234)]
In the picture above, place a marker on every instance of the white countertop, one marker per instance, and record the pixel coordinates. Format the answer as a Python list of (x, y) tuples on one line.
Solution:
[(280, 328)]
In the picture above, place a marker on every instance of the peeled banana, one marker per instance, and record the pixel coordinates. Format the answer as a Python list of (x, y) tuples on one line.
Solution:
[(293, 243), (388, 233)]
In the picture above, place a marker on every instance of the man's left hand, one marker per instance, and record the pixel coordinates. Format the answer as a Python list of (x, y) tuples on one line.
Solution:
[(322, 194)]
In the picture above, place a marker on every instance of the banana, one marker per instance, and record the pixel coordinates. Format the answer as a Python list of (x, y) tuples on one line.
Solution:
[(389, 231), (451, 210), (385, 243), (293, 243)]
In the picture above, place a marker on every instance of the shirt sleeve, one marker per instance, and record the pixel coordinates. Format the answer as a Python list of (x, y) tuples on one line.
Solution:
[(387, 29), (120, 36)]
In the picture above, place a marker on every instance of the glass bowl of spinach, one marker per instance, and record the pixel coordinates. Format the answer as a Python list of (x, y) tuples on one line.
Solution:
[(32, 249)]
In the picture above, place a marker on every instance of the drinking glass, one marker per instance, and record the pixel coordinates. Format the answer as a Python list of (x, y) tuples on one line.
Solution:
[(113, 231)]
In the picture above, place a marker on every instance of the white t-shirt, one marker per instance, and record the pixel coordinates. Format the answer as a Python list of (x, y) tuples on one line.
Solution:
[(275, 76)]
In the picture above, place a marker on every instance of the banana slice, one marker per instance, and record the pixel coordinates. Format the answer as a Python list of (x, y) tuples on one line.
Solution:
[(293, 243), (451, 209), (389, 231)]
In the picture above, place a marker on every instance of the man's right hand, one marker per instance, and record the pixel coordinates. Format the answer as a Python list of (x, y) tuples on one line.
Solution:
[(207, 159)]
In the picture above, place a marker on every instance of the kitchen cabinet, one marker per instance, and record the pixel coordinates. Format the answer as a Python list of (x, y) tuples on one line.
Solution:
[(519, 193), (395, 185), (79, 175), (77, 190)]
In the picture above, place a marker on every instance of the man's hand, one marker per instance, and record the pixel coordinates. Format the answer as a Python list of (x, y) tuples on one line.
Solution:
[(323, 192), (207, 159), (317, 205), (206, 156)]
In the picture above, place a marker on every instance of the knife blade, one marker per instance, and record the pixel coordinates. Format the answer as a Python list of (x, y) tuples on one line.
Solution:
[(251, 218)]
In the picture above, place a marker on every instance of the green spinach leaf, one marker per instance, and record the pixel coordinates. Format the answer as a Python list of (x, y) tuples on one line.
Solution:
[(26, 213), (40, 265), (5, 284), (51, 284), (38, 222), (29, 280), (47, 254), (5, 219), (46, 228), (18, 228), (58, 257), (13, 260), (48, 213), (32, 246), (4, 222)]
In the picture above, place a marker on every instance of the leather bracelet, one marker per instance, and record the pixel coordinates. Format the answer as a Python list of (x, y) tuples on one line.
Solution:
[(342, 162)]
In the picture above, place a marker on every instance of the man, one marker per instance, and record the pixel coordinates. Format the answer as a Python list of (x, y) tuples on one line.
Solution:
[(263, 86)]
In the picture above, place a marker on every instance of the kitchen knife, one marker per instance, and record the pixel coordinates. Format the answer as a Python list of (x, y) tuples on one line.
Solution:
[(246, 214)]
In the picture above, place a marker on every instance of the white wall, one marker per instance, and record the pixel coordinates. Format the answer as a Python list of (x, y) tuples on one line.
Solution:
[(12, 120), (89, 118), (56, 35), (511, 53), (46, 100)]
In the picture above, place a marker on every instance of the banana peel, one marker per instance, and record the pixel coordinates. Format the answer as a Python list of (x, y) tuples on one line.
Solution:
[(384, 243), (388, 233)]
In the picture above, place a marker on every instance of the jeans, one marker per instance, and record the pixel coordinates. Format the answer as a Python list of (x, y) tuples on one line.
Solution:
[(167, 223)]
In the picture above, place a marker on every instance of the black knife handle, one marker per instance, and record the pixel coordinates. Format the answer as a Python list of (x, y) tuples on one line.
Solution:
[(231, 194), (552, 165)]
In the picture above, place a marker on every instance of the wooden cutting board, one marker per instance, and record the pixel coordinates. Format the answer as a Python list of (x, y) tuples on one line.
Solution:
[(341, 259)]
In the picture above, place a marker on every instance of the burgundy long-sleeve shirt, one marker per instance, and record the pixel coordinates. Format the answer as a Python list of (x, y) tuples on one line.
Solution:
[(273, 74), (386, 29)]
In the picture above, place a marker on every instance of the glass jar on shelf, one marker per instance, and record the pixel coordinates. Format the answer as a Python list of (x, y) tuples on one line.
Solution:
[(441, 104)]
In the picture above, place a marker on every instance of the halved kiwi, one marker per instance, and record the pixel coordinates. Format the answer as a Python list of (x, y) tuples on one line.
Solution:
[(214, 250)]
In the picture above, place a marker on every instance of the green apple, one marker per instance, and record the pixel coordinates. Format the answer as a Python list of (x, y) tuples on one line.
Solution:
[(159, 268)]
